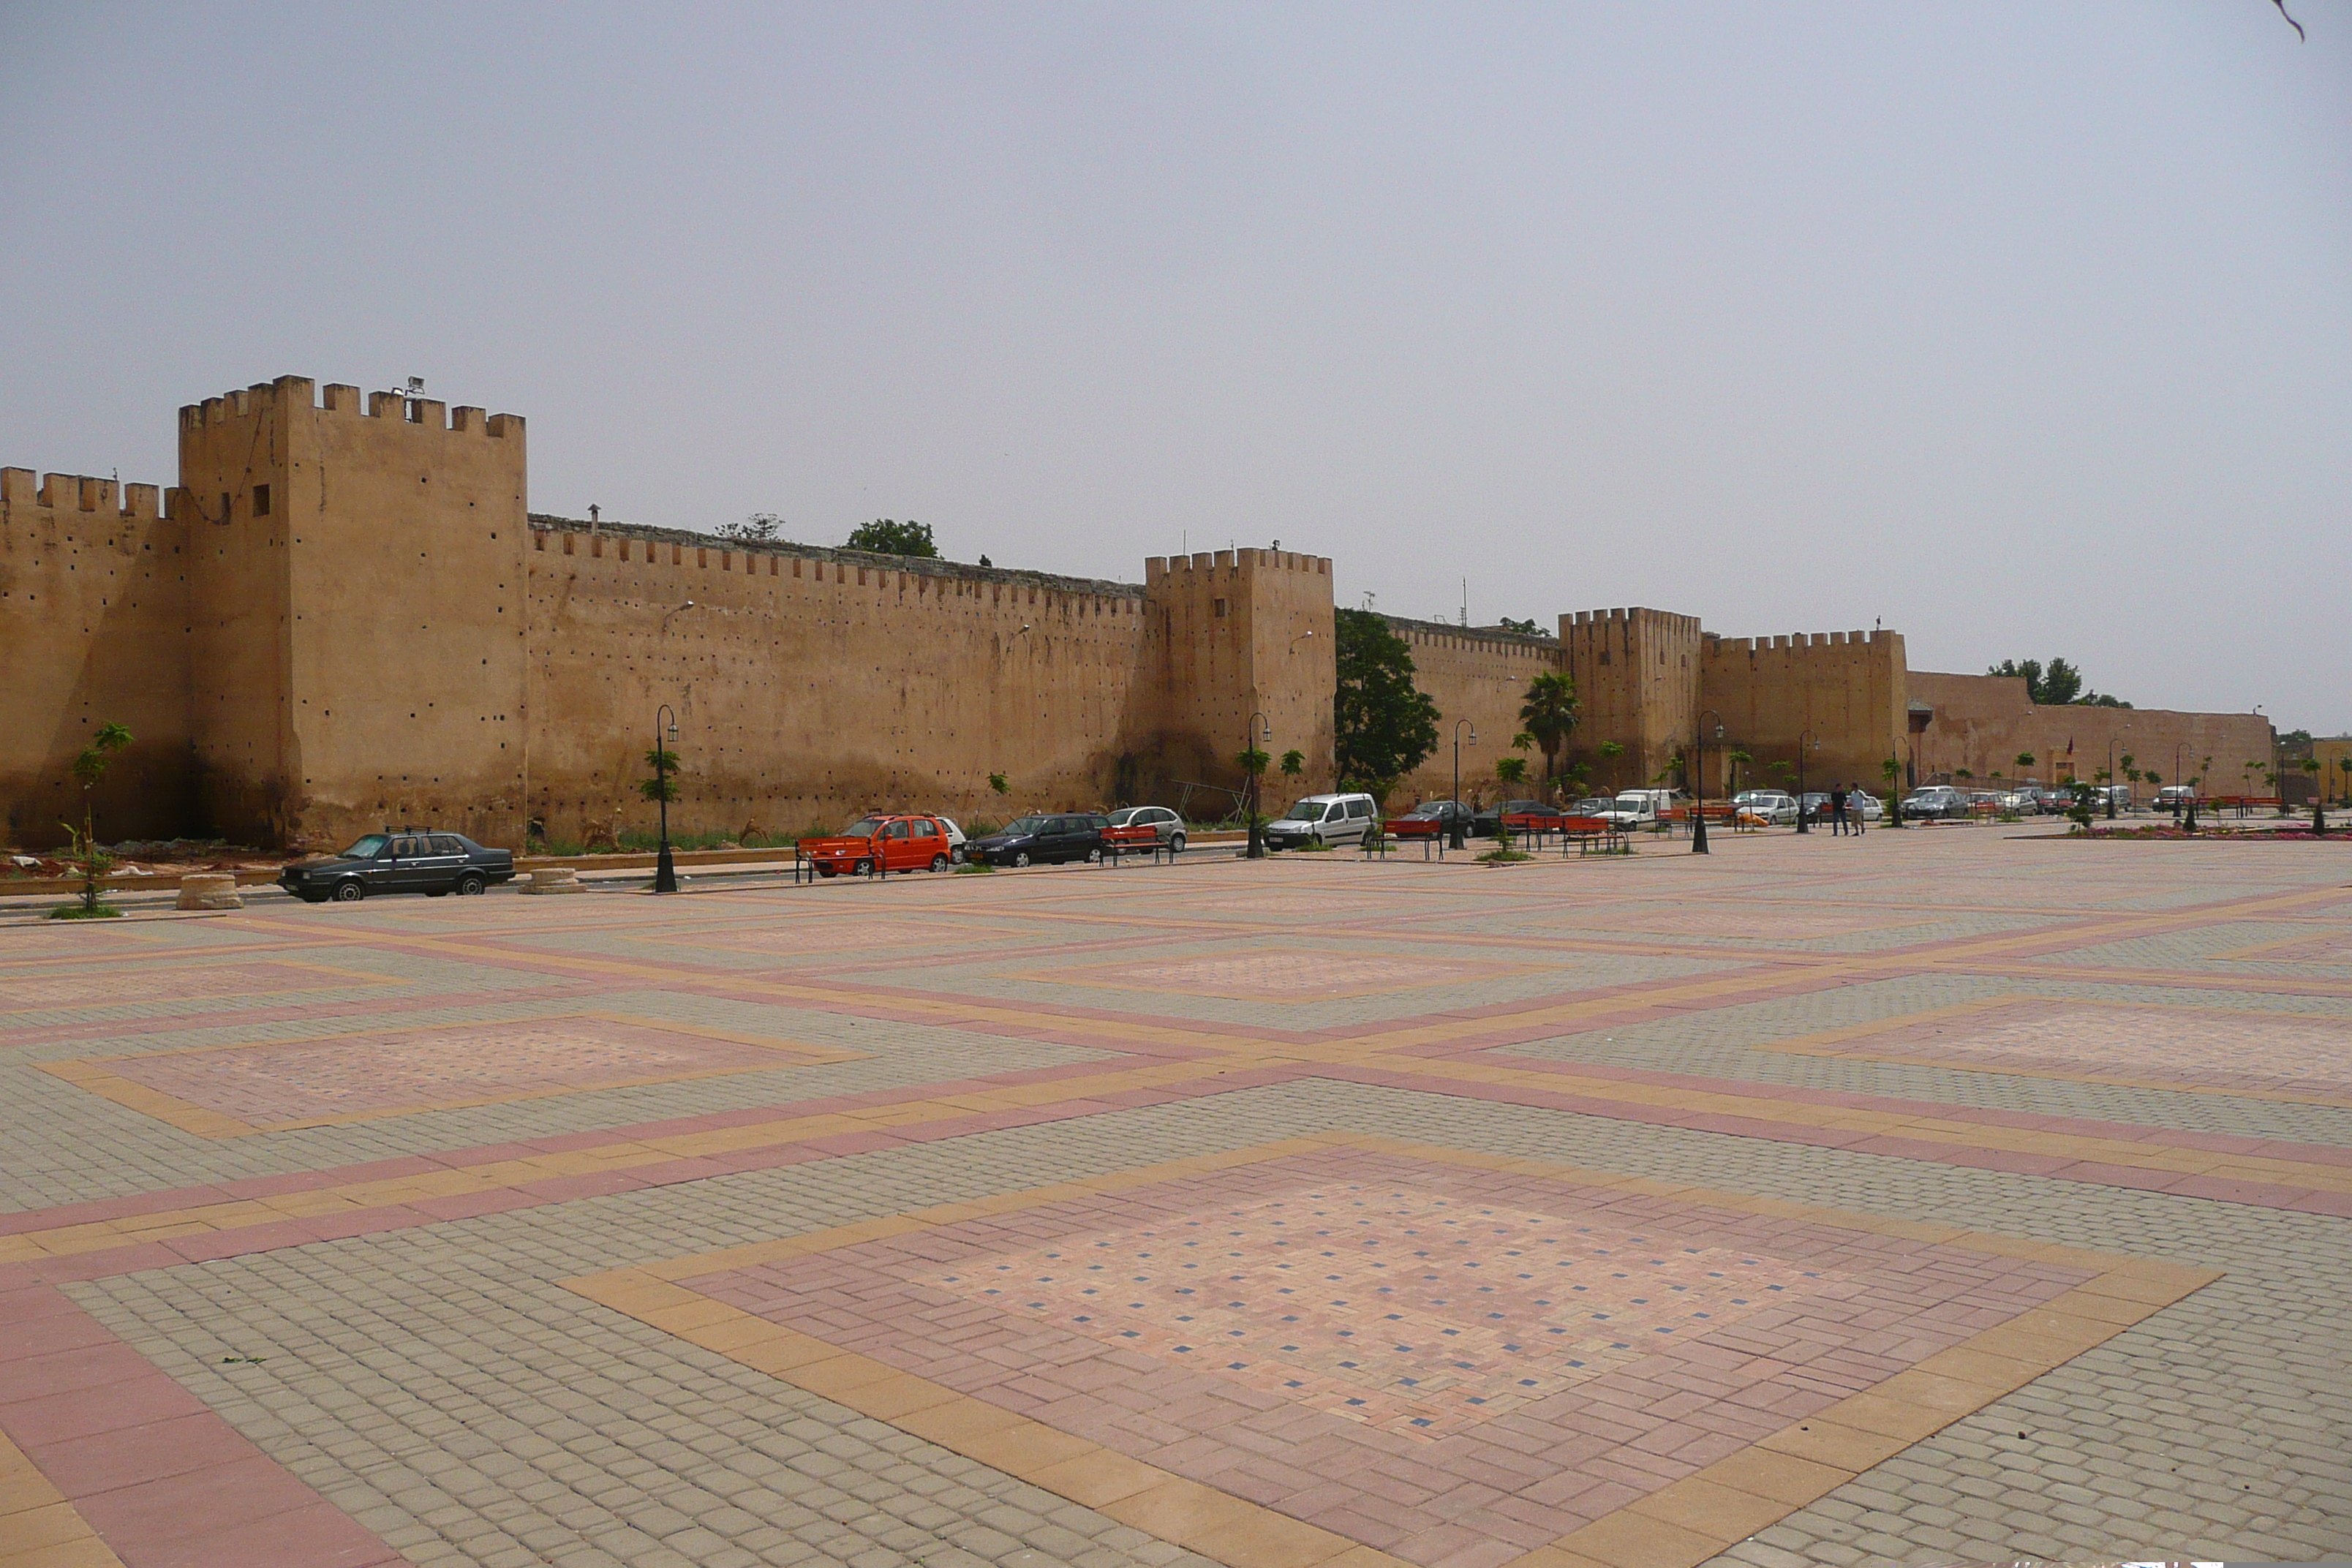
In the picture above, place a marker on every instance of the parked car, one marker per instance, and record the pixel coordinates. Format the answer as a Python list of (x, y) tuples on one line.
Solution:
[(1043, 839), (1591, 806), (1867, 807), (900, 843), (1638, 807), (412, 860), (1931, 802), (955, 837), (1323, 819), (1169, 825), (1777, 807), (1448, 814), (1488, 823), (2175, 797)]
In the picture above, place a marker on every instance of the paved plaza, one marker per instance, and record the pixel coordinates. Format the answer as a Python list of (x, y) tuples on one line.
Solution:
[(1951, 1196)]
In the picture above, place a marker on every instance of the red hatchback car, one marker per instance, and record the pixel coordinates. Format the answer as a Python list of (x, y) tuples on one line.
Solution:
[(889, 843)]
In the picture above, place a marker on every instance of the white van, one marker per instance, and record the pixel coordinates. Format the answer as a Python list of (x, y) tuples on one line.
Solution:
[(1640, 807), (1323, 819)]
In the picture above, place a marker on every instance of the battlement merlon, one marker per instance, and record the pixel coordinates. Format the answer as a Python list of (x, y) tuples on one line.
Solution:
[(1156, 567), (290, 393), (82, 492)]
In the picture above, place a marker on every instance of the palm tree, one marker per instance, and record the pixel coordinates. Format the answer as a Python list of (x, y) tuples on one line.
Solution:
[(1549, 712), (1612, 750)]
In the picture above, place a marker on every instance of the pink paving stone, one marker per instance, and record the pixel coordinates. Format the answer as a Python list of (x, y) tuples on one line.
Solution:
[(86, 986), (392, 1069), (2333, 947), (2195, 1048), (1364, 1337), (1279, 974)]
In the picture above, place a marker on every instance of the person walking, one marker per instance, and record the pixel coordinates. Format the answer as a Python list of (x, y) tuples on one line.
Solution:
[(1837, 809)]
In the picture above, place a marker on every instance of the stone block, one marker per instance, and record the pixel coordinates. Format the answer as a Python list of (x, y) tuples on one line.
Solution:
[(209, 890), (551, 879)]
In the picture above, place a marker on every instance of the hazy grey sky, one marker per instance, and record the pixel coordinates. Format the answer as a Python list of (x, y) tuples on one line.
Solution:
[(2025, 327)]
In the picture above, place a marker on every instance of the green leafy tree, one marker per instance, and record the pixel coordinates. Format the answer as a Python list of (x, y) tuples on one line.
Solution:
[(999, 784), (1550, 711), (1526, 628), (2025, 760), (884, 537), (1384, 726), (663, 785), (1512, 770), (2318, 796), (1293, 762), (93, 863)]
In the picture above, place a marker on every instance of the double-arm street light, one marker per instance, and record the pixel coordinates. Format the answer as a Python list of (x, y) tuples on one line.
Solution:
[(1454, 833), (1698, 779), (1255, 727), (665, 725)]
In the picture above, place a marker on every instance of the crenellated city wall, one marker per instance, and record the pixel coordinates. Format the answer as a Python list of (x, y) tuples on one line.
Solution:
[(345, 615), (1831, 705), (1984, 722)]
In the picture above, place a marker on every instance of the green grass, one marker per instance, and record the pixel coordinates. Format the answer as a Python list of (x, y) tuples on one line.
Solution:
[(84, 913), (975, 869)]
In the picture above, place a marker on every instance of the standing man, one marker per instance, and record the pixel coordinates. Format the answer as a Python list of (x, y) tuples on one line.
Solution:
[(1861, 817), (1837, 809)]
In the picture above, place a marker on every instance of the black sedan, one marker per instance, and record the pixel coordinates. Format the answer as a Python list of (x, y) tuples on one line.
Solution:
[(413, 860), (1042, 839), (1487, 823)]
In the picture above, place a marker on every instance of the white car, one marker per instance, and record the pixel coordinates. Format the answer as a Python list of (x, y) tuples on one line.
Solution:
[(1777, 807), (1323, 819), (1171, 826), (955, 837)]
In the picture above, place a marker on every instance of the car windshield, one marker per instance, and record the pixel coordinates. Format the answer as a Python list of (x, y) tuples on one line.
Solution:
[(1306, 810), (1027, 825), (1123, 816), (864, 827), (368, 848)]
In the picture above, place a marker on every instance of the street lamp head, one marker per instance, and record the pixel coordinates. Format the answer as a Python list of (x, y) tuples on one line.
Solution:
[(1266, 729), (1474, 734), (673, 729)]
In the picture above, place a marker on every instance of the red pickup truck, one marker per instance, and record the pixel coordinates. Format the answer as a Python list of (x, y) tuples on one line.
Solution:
[(887, 843)]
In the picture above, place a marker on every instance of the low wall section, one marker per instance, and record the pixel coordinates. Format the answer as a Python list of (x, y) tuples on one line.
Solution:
[(809, 685), (1981, 722)]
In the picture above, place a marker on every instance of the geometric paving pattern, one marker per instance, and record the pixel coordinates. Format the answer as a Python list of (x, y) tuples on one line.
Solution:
[(1943, 1195), (298, 1083), (1281, 975), (2189, 1047)]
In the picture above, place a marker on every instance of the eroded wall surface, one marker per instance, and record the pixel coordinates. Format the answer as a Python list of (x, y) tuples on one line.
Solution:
[(808, 686), (93, 631)]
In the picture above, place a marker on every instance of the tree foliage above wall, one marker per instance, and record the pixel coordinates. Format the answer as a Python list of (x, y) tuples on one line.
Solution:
[(885, 537), (1384, 725), (2059, 684)]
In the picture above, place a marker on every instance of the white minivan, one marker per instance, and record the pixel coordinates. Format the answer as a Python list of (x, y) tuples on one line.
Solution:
[(1323, 819), (1640, 807)]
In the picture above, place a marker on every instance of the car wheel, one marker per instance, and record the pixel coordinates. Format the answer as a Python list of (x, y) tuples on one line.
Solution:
[(1020, 858), (863, 867), (1176, 845), (349, 892), (471, 885), (827, 872), (938, 862)]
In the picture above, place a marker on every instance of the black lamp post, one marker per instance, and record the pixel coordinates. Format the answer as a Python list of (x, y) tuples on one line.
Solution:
[(1699, 780), (1895, 791), (2111, 778), (665, 869), (1250, 728), (1801, 775), (1454, 836)]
